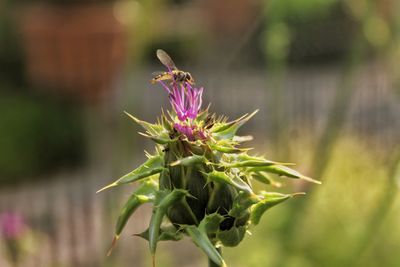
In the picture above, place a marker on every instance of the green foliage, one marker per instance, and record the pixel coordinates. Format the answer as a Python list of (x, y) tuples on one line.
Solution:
[(11, 56), (34, 136), (66, 2), (339, 212), (299, 9)]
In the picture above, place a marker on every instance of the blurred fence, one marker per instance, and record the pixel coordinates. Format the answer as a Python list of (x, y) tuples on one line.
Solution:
[(73, 226)]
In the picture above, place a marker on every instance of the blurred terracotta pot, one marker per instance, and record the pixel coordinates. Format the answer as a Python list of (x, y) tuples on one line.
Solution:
[(230, 18), (76, 50)]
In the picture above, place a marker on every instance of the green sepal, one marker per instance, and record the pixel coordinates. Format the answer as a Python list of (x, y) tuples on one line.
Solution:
[(222, 177), (165, 122), (159, 139), (154, 165), (244, 160), (201, 239), (284, 171), (210, 223), (228, 130), (164, 199), (221, 125), (241, 203), (232, 237), (248, 163), (270, 199), (265, 179), (153, 129), (166, 234), (190, 161), (226, 148), (202, 116)]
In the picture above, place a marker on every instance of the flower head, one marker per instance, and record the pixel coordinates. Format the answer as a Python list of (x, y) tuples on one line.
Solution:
[(185, 99)]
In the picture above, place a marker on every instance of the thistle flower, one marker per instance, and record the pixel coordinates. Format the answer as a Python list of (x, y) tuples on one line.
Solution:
[(12, 225), (186, 101), (199, 179), (12, 230)]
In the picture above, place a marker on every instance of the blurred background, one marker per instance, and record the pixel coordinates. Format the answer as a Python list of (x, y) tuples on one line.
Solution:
[(324, 74)]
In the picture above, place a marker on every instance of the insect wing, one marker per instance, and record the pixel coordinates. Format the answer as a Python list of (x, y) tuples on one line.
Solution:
[(165, 59)]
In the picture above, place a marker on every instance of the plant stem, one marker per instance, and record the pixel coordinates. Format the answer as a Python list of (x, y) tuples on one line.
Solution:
[(213, 264)]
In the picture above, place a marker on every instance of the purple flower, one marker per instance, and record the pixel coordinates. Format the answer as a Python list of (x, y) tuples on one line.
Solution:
[(191, 132), (12, 225), (185, 99), (186, 130)]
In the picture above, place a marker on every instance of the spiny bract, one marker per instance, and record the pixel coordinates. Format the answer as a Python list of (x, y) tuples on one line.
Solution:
[(200, 177)]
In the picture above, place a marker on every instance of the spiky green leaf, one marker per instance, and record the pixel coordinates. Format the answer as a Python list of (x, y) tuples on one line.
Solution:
[(164, 200), (202, 116), (221, 125), (245, 160), (283, 171), (167, 124), (222, 177), (161, 139), (226, 148), (241, 203), (232, 237), (153, 129), (201, 239), (153, 165), (166, 234), (190, 161), (248, 163), (265, 179), (210, 223), (270, 199), (143, 194), (228, 130)]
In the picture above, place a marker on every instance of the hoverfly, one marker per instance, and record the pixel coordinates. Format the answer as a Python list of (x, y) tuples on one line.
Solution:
[(174, 74)]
